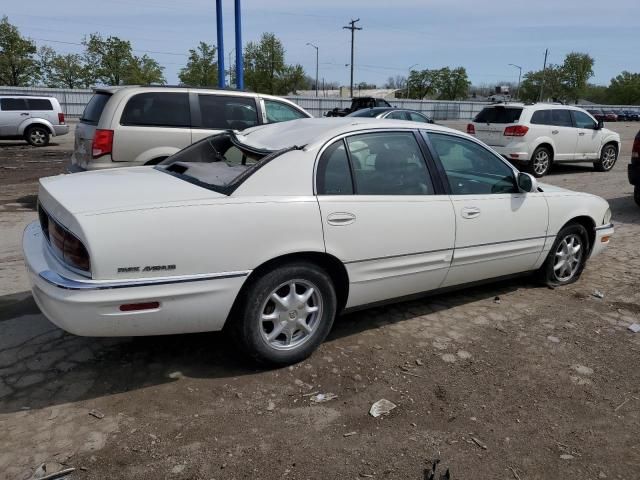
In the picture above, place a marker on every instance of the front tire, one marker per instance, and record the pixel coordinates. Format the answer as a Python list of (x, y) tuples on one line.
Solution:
[(636, 194), (608, 157), (37, 136), (567, 258), (540, 162), (283, 315)]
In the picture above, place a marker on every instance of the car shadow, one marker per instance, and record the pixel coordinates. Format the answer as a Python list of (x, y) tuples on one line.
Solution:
[(564, 168), (43, 366), (624, 209)]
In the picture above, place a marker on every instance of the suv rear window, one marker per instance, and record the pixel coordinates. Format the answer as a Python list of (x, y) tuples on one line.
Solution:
[(498, 115), (94, 108), (157, 109)]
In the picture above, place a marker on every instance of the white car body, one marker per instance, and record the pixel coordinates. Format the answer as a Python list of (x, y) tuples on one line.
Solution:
[(152, 237), (569, 142)]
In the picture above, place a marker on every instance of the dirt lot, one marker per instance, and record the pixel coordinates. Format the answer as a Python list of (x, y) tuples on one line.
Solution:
[(540, 384)]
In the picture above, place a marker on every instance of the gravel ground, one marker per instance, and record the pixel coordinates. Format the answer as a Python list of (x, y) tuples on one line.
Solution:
[(505, 381)]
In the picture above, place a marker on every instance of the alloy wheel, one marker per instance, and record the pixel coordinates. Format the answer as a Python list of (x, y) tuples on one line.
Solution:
[(37, 137), (541, 162), (608, 158), (291, 314), (568, 257)]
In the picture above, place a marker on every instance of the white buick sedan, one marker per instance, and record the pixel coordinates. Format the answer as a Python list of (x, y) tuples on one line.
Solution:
[(271, 233)]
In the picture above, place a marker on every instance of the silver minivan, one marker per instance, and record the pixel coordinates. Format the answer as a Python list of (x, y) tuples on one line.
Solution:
[(32, 118), (132, 126)]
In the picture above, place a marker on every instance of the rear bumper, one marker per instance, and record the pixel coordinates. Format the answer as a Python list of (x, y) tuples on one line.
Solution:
[(517, 152), (633, 172), (603, 236), (85, 307), (60, 130)]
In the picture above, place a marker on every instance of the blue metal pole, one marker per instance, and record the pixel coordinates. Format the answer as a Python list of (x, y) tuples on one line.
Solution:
[(239, 61), (221, 72)]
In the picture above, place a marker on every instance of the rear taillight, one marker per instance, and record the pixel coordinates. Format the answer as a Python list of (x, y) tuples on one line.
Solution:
[(516, 131), (64, 244), (60, 118), (471, 130), (102, 143), (635, 150)]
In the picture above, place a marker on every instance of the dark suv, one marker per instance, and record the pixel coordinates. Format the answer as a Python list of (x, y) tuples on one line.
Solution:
[(634, 168)]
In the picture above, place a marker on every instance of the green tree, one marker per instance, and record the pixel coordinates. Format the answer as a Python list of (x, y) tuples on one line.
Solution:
[(264, 64), (423, 83), (201, 69), (144, 71), (452, 84), (577, 69), (18, 63), (62, 71), (293, 78), (625, 89), (108, 59), (552, 80), (596, 93)]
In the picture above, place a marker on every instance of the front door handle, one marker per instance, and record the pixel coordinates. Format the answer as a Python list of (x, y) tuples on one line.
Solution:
[(470, 212), (24, 114), (341, 218), (554, 131), (581, 134)]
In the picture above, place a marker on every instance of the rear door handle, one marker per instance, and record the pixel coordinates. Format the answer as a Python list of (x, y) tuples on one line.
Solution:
[(24, 114), (554, 132), (470, 212), (341, 218)]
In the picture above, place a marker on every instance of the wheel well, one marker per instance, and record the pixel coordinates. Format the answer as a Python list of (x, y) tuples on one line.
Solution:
[(334, 267), (589, 225), (155, 161), (31, 125), (548, 147), (615, 145)]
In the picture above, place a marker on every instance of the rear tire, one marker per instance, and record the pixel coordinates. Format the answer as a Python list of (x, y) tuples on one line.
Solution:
[(567, 258), (608, 157), (540, 162), (37, 136), (283, 315)]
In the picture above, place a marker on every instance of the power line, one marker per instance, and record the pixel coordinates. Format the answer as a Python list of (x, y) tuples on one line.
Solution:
[(133, 49)]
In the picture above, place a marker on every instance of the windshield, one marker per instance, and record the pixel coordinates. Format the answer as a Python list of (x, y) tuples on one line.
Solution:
[(218, 162)]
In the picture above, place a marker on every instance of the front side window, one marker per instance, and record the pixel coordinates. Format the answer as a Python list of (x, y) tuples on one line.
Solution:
[(334, 175), (388, 163), (583, 120), (281, 112), (13, 104), (224, 112), (157, 109), (470, 168)]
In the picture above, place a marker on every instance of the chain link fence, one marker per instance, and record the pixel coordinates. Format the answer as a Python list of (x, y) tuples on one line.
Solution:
[(74, 100)]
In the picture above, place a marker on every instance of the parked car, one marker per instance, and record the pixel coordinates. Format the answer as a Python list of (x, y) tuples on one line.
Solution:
[(632, 115), (610, 116), (392, 113), (33, 118), (358, 104), (596, 113), (634, 168), (271, 232), (540, 135), (621, 115), (131, 126)]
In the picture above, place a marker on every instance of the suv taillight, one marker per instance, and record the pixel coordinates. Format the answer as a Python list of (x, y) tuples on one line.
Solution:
[(635, 150), (102, 143), (516, 131), (471, 130), (60, 118)]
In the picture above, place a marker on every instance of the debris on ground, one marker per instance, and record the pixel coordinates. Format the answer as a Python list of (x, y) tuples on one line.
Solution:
[(51, 470), (97, 413), (271, 406), (496, 300), (597, 294), (381, 407), (479, 443), (634, 327), (349, 434), (323, 397)]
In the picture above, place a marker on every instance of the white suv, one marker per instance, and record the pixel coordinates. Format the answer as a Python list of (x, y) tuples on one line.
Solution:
[(132, 126), (32, 118), (540, 134)]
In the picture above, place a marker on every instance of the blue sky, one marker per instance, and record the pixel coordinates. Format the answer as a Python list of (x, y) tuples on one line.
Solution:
[(484, 37)]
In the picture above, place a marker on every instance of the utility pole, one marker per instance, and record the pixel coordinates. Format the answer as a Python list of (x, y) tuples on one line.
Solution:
[(544, 71), (312, 45), (353, 28), (231, 68), (519, 78)]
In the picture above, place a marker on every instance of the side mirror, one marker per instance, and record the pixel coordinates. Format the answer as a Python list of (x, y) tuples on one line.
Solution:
[(527, 183), (600, 125)]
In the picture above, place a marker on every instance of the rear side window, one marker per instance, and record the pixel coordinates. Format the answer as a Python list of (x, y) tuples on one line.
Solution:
[(39, 104), (555, 117), (157, 109), (224, 112), (13, 104), (498, 115), (94, 108), (334, 175)]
